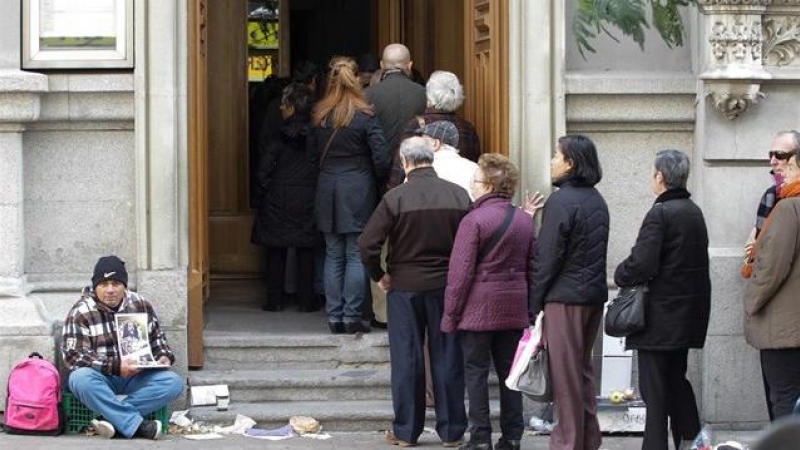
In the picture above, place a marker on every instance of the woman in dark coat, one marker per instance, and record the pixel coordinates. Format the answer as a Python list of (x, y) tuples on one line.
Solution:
[(569, 283), (287, 178), (671, 257), (486, 299), (352, 154)]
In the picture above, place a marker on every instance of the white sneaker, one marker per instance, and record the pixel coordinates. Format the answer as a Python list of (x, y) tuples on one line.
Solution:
[(103, 428)]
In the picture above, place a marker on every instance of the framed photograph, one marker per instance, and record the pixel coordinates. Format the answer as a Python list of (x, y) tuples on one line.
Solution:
[(77, 34)]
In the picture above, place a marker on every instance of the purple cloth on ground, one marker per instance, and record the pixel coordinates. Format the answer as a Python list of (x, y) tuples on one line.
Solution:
[(285, 430)]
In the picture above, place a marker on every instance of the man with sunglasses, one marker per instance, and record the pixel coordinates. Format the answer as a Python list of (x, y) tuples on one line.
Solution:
[(783, 146)]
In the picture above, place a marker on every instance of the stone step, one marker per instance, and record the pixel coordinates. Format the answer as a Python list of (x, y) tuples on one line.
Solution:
[(248, 351), (253, 386), (250, 386), (364, 415)]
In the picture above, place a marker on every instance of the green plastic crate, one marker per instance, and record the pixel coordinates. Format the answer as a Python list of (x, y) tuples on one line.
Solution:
[(79, 416)]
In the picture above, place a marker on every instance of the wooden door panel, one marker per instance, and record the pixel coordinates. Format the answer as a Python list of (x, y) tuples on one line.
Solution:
[(230, 217), (198, 276), (486, 81)]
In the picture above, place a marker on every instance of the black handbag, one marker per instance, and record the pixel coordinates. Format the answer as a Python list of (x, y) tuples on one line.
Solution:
[(625, 313)]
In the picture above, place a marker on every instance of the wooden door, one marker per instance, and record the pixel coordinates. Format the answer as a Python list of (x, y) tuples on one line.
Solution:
[(230, 217), (486, 76), (198, 168)]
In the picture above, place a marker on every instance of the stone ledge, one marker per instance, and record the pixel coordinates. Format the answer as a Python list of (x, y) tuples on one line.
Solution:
[(19, 81), (600, 83), (92, 82)]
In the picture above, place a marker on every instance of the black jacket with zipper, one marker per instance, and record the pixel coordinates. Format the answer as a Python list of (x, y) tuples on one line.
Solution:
[(570, 262)]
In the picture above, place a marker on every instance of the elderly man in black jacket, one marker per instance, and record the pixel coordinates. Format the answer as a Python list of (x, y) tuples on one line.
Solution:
[(671, 257), (419, 220)]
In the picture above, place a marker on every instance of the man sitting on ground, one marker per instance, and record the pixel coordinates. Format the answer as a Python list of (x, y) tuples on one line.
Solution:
[(98, 374)]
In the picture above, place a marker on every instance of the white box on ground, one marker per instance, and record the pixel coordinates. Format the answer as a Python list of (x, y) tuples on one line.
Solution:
[(207, 395), (616, 374)]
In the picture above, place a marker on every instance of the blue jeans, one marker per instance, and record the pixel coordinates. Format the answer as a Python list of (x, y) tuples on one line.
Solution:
[(345, 278), (148, 391)]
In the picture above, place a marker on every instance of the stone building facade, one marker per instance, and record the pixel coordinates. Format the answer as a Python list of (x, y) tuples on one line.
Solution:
[(94, 163)]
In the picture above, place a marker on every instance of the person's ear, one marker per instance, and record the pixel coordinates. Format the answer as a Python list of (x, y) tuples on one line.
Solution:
[(383, 67)]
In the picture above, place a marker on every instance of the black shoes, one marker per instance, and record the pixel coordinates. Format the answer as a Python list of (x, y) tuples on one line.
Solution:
[(374, 323), (503, 444), (472, 445), (149, 429), (336, 327), (272, 306), (355, 327)]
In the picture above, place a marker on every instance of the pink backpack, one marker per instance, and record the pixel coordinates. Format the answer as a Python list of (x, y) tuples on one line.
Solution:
[(34, 398)]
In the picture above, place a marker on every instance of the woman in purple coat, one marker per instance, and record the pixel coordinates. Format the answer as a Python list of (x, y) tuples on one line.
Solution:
[(486, 299)]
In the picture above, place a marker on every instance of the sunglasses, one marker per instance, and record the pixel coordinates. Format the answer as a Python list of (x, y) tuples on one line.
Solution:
[(779, 155)]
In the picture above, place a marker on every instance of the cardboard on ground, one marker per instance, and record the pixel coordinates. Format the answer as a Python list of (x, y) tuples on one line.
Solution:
[(207, 395)]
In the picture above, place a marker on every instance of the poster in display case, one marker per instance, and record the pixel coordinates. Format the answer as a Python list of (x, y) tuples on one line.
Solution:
[(77, 34)]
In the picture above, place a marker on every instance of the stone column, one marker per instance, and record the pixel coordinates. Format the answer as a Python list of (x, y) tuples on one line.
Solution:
[(536, 92), (22, 329), (161, 164)]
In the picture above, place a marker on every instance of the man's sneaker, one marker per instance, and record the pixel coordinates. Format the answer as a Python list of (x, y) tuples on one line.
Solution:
[(103, 428), (149, 429)]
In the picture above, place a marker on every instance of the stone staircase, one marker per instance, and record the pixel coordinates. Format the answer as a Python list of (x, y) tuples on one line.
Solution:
[(341, 380)]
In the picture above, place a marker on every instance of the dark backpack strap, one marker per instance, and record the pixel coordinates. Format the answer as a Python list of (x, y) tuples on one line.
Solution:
[(495, 238)]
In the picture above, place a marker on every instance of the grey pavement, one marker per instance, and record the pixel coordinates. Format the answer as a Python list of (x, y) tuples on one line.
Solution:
[(350, 441)]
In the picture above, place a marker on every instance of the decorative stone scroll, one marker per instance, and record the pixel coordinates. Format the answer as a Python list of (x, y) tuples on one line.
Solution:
[(781, 40)]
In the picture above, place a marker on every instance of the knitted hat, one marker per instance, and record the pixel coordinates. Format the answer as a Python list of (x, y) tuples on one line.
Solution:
[(109, 268), (442, 130)]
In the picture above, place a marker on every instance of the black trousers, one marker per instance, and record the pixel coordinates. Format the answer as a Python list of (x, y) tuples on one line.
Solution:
[(276, 275), (411, 315), (481, 347), (668, 395), (781, 370)]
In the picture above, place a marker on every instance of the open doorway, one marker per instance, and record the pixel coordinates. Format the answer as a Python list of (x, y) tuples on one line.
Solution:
[(463, 37), (268, 38)]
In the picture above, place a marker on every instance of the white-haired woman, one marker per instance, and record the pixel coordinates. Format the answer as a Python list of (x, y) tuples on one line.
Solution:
[(445, 95)]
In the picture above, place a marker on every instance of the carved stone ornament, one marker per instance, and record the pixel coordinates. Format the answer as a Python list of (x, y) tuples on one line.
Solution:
[(731, 98), (781, 40), (736, 41)]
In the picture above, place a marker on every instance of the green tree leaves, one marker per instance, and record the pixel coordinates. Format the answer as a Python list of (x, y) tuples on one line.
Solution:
[(594, 17)]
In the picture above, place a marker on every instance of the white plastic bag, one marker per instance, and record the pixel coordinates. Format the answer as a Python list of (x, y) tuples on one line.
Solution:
[(531, 339)]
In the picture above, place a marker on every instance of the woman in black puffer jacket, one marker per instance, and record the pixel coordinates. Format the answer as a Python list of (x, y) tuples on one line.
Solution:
[(287, 185), (569, 283)]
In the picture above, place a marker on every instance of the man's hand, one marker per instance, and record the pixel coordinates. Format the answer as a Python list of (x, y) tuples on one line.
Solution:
[(533, 202), (164, 361), (385, 283), (128, 368), (750, 244)]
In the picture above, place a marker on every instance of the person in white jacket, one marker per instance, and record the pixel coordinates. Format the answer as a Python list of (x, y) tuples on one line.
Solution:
[(447, 163)]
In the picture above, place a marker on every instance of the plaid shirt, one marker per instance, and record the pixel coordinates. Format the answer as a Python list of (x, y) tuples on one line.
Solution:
[(89, 337)]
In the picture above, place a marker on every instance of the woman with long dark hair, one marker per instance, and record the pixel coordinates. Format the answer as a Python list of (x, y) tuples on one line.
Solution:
[(352, 154)]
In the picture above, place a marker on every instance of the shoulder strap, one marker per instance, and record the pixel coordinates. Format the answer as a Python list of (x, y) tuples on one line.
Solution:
[(327, 146), (495, 238)]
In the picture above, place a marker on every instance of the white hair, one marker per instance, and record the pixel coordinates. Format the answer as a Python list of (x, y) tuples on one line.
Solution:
[(444, 91), (416, 151)]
